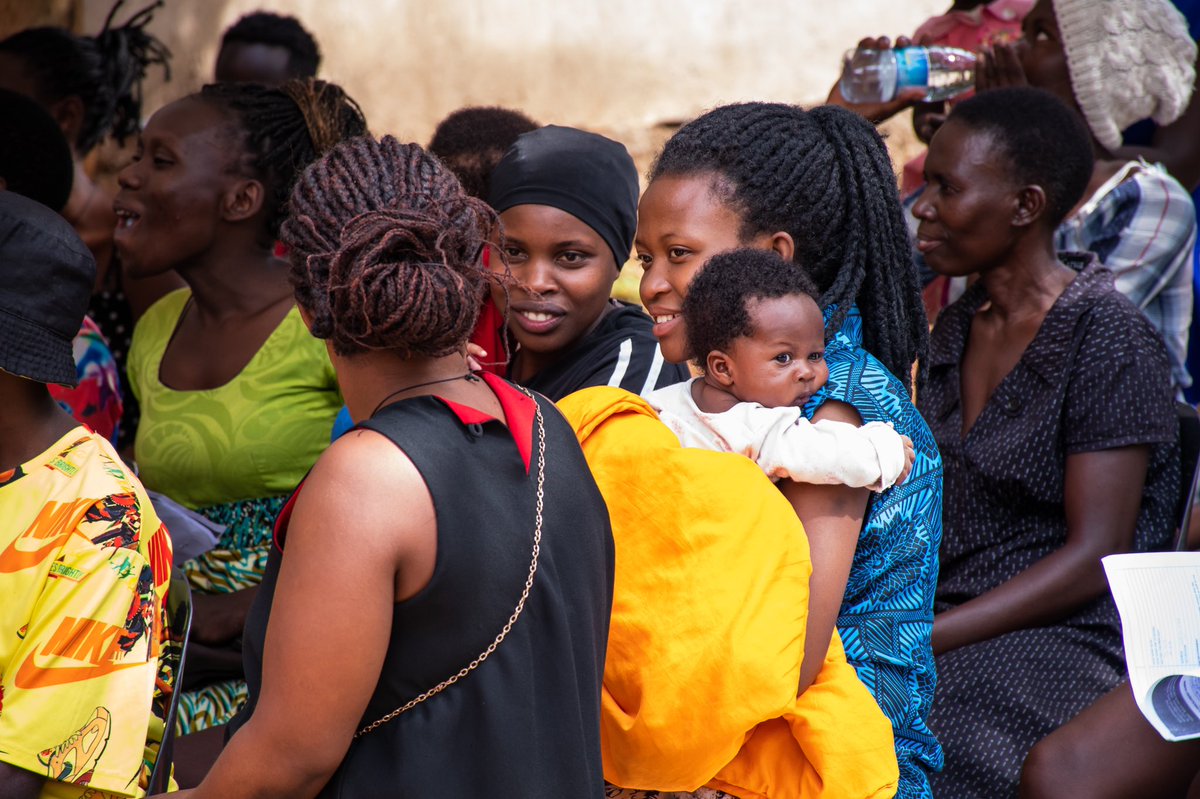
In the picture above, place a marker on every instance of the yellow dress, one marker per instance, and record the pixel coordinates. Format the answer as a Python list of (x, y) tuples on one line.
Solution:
[(707, 634)]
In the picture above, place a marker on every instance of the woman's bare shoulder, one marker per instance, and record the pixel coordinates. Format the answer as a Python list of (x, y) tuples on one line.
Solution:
[(366, 478)]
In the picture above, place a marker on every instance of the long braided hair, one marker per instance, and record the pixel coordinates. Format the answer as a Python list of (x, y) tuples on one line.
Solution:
[(386, 250), (104, 71), (284, 129), (824, 177)]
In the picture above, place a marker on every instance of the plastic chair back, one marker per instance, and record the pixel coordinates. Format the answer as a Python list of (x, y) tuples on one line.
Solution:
[(179, 621)]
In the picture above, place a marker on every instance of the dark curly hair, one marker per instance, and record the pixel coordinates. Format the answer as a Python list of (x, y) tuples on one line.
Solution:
[(386, 250), (286, 128), (104, 71), (277, 30), (824, 177), (471, 141), (35, 160), (714, 309), (1045, 142)]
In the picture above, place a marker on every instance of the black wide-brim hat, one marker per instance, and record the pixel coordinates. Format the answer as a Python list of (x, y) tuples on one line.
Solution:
[(46, 278)]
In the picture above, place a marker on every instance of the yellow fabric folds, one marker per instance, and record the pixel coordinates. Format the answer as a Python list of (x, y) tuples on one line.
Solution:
[(707, 634)]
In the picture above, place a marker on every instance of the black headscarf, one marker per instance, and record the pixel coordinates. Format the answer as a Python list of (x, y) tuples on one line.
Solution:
[(584, 174)]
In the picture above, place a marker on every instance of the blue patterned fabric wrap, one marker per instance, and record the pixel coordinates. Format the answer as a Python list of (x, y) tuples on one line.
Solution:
[(887, 614)]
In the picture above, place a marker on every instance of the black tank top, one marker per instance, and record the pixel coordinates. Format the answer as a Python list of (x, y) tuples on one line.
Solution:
[(525, 723)]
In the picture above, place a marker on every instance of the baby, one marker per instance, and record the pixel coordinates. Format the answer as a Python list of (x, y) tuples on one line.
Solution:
[(754, 324)]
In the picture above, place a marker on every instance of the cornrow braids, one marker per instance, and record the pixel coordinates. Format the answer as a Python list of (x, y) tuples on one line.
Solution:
[(105, 72), (286, 128), (386, 248), (824, 177)]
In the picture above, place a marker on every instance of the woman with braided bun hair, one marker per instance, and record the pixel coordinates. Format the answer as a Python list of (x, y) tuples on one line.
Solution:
[(437, 647), (237, 399), (818, 188)]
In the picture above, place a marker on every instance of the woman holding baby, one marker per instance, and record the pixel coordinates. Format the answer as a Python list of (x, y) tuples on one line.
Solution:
[(815, 187)]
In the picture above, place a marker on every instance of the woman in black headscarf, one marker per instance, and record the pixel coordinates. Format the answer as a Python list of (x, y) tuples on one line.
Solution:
[(568, 203)]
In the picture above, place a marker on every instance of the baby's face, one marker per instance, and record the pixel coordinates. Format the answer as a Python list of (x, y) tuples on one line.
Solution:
[(783, 362)]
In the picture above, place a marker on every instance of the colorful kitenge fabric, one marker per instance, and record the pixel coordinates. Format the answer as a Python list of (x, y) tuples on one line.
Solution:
[(887, 614), (96, 400), (236, 562), (109, 309), (84, 572)]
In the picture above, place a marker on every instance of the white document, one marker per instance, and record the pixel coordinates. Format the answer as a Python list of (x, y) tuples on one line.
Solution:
[(1158, 596)]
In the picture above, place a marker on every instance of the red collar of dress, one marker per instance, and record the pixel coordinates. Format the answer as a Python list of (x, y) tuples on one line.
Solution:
[(519, 412)]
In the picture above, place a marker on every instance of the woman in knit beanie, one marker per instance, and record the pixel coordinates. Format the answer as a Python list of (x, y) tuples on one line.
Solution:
[(1118, 62)]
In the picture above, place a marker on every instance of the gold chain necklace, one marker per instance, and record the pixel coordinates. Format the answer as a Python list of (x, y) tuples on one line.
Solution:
[(533, 565)]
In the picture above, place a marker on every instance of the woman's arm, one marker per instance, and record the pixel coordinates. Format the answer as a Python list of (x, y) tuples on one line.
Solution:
[(832, 516), (348, 554), (1102, 496)]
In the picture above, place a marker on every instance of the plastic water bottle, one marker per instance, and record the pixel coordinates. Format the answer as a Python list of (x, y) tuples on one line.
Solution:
[(877, 76)]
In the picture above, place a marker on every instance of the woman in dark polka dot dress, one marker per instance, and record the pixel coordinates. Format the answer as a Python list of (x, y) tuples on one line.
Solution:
[(1050, 398)]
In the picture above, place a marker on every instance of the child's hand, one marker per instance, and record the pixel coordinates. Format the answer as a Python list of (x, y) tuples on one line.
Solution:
[(909, 457)]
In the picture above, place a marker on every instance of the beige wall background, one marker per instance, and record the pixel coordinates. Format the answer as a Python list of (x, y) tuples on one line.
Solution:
[(628, 68), (631, 69)]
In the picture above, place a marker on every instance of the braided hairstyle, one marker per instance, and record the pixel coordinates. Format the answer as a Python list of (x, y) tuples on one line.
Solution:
[(105, 72), (278, 30), (824, 177), (471, 141), (284, 129), (386, 250)]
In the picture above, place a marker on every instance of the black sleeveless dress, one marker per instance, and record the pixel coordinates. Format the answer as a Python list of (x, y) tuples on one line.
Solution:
[(526, 723)]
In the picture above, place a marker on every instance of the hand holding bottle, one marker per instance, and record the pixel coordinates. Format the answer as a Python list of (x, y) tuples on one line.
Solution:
[(874, 74), (879, 111)]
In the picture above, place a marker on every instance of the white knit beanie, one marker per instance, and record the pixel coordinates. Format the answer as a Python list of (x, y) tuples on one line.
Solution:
[(1129, 60)]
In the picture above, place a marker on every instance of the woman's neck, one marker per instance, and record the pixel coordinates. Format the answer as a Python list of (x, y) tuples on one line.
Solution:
[(371, 379), (711, 397), (1029, 280), (527, 364), (30, 420), (234, 281)]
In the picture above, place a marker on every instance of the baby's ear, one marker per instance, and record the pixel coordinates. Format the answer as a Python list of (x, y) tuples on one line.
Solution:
[(719, 367)]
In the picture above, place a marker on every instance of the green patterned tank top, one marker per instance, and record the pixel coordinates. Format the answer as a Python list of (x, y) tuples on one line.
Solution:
[(254, 437)]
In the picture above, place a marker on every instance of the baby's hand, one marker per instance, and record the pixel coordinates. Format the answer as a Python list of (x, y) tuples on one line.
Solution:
[(909, 457)]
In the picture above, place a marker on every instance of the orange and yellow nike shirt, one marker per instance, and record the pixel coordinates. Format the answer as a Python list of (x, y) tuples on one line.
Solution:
[(84, 568)]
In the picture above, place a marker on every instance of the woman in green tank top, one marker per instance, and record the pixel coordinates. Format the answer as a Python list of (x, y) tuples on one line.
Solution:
[(237, 398)]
